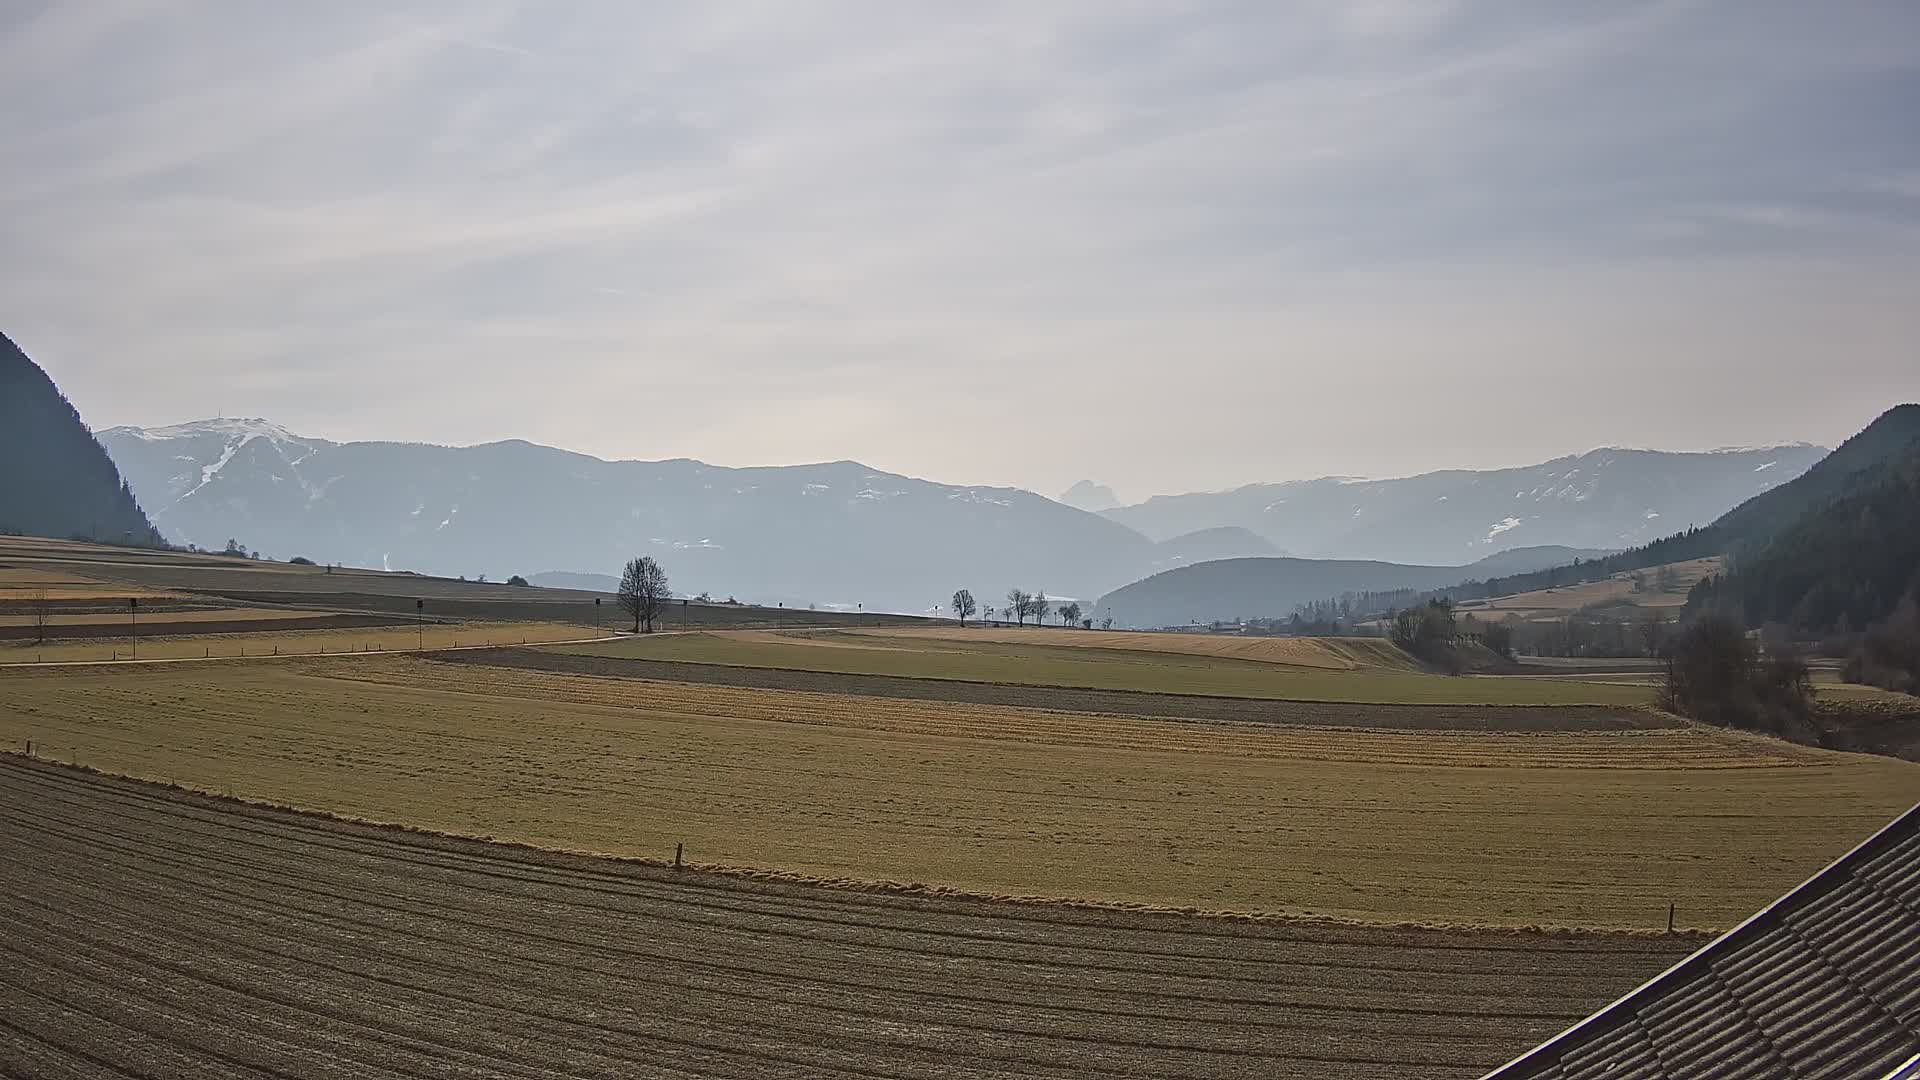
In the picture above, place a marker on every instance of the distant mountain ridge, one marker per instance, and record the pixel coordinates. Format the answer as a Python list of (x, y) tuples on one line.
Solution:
[(829, 533), (57, 480), (1604, 499), (832, 533)]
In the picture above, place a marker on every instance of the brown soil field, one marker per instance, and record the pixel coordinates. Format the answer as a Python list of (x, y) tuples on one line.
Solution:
[(1579, 829), (160, 934), (1511, 718), (344, 633)]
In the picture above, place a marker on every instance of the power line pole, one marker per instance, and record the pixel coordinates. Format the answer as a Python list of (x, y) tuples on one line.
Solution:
[(420, 623), (133, 614)]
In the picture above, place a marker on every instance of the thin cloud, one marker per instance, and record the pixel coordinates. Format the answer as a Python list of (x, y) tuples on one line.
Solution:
[(1222, 243)]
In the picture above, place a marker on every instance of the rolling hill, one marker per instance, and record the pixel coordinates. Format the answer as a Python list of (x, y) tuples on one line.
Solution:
[(58, 481), (1259, 588)]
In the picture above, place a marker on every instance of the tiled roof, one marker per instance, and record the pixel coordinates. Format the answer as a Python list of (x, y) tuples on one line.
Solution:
[(1823, 983)]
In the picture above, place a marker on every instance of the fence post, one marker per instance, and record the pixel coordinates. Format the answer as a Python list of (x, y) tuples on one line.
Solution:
[(676, 855), (1669, 918)]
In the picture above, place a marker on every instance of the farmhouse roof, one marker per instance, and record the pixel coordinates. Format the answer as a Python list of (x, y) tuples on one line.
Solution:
[(1822, 983)]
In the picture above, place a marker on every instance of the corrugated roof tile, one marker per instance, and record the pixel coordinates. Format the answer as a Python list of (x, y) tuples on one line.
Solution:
[(1822, 985)]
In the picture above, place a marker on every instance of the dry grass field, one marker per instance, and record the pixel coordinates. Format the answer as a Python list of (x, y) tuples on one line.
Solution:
[(1581, 829), (386, 635), (155, 933), (1618, 589), (1161, 666)]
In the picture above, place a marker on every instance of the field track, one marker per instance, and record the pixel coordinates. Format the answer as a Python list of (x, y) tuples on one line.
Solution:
[(159, 934), (1076, 699)]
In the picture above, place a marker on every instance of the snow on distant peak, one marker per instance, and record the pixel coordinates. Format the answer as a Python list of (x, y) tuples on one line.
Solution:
[(238, 427), (1501, 526), (1765, 467)]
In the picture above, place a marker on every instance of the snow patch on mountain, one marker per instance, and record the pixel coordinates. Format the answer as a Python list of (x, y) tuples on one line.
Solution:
[(1501, 526)]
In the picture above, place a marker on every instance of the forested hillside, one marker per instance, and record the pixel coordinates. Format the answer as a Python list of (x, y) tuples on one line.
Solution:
[(56, 479), (1837, 567)]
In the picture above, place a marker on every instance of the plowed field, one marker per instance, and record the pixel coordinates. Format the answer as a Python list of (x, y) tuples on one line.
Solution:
[(1581, 829), (157, 934)]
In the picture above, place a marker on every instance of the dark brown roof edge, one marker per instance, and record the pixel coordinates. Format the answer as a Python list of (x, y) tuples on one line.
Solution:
[(1759, 922)]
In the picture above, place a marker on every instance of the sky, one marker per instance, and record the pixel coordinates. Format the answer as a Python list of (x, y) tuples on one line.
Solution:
[(1165, 246)]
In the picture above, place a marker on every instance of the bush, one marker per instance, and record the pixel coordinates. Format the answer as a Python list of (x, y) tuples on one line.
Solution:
[(300, 560), (1428, 632), (1888, 655), (516, 580), (1716, 675)]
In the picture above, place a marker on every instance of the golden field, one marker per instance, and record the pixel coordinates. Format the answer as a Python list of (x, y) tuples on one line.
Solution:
[(1581, 829)]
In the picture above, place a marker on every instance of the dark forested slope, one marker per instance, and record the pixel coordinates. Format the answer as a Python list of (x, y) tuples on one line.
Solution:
[(56, 479)]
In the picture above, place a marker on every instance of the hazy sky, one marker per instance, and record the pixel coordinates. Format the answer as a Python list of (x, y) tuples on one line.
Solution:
[(1162, 245)]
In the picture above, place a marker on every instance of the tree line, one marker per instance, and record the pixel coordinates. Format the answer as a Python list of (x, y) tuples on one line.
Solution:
[(1021, 606)]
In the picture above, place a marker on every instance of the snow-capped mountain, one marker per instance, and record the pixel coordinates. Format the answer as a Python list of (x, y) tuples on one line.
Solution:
[(842, 532), (1609, 498), (838, 532)]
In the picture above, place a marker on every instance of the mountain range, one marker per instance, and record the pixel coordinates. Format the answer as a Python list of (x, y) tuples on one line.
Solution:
[(837, 533), (843, 533), (1608, 498)]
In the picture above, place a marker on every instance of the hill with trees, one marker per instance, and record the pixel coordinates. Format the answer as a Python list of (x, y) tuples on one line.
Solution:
[(1837, 567), (58, 480), (1274, 588)]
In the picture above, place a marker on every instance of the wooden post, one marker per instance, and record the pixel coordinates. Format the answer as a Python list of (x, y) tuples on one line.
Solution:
[(1669, 918), (29, 747), (676, 855)]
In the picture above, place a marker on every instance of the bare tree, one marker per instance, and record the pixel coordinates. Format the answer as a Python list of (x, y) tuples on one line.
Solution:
[(963, 605), (41, 609), (1070, 613), (1040, 607), (643, 591), (1019, 604)]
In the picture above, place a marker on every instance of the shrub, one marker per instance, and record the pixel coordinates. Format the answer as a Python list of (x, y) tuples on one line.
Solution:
[(300, 560), (516, 580), (1716, 675)]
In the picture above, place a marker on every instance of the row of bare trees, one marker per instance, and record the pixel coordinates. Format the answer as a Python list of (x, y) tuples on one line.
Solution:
[(1021, 606)]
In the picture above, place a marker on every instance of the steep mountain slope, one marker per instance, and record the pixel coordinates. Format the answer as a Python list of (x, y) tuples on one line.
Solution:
[(1754, 523), (831, 533), (1840, 564), (57, 480), (1607, 499)]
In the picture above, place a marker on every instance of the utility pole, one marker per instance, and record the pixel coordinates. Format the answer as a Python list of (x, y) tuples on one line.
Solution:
[(133, 615), (596, 614), (420, 623)]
